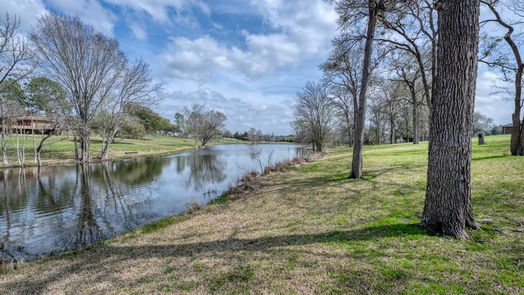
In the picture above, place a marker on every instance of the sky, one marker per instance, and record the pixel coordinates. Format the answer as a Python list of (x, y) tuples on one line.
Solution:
[(246, 58)]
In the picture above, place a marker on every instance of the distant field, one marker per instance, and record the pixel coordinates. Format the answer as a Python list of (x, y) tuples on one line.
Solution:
[(310, 230), (64, 150)]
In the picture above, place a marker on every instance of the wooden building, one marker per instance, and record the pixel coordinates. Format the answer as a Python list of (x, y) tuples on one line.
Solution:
[(34, 124)]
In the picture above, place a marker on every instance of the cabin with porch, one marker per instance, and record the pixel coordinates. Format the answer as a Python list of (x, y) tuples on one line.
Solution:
[(33, 125)]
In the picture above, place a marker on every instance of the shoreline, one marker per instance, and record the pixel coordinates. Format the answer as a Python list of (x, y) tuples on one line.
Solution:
[(126, 156), (246, 183)]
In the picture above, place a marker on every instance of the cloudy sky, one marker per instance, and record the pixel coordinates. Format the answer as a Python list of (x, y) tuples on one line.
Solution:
[(246, 58)]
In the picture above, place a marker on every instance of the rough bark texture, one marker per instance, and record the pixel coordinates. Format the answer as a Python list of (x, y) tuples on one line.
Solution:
[(517, 134), (360, 114), (448, 206)]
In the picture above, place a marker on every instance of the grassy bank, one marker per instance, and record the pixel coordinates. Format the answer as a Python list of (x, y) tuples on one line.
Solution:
[(63, 151), (311, 230)]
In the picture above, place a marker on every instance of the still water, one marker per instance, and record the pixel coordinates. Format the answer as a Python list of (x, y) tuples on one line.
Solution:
[(67, 207)]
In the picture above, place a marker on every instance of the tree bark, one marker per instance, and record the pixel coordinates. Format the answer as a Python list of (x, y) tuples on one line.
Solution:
[(415, 124), (517, 134), (360, 114), (447, 207), (5, 159)]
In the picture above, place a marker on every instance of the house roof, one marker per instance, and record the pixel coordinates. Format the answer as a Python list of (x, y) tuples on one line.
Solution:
[(36, 118), (508, 125)]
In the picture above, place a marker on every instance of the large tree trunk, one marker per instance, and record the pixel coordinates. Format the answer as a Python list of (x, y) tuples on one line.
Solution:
[(448, 208), (360, 112), (517, 134), (83, 154)]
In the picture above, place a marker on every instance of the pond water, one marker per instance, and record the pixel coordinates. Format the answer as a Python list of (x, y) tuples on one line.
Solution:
[(59, 208)]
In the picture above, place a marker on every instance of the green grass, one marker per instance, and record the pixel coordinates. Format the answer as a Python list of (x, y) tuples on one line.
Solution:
[(121, 148), (311, 230)]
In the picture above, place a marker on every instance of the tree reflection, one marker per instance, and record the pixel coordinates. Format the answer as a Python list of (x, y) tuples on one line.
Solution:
[(88, 231), (204, 168), (54, 193), (115, 198), (133, 172)]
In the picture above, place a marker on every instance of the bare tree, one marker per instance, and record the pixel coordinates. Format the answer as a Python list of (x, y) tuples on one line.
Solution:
[(409, 74), (353, 15), (377, 113), (343, 103), (447, 207), (314, 107), (412, 30), (15, 64), (134, 87), (203, 126), (507, 66), (391, 108), (85, 63)]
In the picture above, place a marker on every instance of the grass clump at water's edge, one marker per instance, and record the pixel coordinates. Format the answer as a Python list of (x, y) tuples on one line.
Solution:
[(311, 230)]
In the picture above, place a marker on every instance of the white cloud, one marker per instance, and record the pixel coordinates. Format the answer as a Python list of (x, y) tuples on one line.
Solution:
[(27, 10), (159, 9), (138, 31), (90, 11), (492, 101), (303, 31)]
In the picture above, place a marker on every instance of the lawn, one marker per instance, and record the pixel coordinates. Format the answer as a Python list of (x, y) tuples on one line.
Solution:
[(121, 148), (310, 230)]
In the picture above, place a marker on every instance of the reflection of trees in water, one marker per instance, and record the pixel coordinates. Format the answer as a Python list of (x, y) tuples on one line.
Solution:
[(87, 231), (54, 194), (204, 169), (115, 199), (14, 194), (132, 172)]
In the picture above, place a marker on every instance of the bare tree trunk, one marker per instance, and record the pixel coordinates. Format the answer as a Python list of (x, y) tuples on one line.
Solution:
[(360, 113), (34, 142), (5, 160), (415, 124), (517, 133), (83, 147), (392, 137), (448, 208), (104, 155), (378, 133)]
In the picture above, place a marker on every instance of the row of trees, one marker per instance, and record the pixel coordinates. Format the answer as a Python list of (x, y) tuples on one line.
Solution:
[(400, 61), (325, 116), (77, 77)]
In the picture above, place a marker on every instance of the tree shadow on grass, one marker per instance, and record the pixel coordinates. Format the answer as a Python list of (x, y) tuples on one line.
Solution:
[(107, 259), (490, 157)]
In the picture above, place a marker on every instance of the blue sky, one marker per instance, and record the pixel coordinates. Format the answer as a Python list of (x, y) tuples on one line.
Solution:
[(246, 58)]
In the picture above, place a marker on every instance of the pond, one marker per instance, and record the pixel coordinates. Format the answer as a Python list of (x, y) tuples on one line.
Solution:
[(52, 209)]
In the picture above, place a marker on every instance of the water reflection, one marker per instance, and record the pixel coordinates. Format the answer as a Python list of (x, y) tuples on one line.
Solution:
[(55, 208)]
